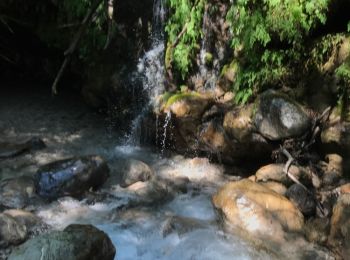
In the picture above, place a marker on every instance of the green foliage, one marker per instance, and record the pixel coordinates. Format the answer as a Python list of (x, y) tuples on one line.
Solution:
[(182, 48), (271, 36), (349, 26)]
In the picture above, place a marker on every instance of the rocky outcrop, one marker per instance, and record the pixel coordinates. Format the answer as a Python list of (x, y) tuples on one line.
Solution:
[(77, 242), (71, 177)]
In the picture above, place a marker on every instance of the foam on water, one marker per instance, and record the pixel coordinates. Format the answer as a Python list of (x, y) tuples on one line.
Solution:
[(137, 232)]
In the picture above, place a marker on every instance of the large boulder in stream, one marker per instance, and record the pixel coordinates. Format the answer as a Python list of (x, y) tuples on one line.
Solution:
[(266, 219), (76, 242), (71, 177), (278, 117)]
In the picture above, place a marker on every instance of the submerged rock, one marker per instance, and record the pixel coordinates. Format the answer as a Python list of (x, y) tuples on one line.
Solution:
[(71, 177), (17, 192), (12, 232), (278, 117), (8, 150), (133, 171), (180, 225), (78, 242)]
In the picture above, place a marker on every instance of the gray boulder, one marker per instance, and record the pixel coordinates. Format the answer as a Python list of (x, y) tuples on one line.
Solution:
[(278, 117), (76, 242)]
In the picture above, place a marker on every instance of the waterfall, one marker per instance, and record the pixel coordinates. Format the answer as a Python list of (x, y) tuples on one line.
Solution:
[(151, 69)]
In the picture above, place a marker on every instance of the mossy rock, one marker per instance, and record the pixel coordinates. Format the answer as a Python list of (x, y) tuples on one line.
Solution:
[(181, 96)]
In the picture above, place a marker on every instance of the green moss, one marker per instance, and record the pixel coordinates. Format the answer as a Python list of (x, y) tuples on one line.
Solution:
[(181, 96)]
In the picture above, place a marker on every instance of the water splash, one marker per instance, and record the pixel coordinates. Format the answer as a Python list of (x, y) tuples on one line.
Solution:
[(151, 68), (165, 127)]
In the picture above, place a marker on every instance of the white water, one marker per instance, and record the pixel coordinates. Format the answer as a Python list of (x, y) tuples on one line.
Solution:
[(137, 232)]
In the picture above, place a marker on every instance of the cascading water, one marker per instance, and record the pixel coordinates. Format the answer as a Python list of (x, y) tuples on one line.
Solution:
[(151, 69)]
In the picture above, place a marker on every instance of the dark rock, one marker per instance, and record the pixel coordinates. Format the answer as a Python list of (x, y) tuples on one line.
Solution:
[(8, 150), (17, 192), (71, 177), (134, 171), (302, 199), (78, 242), (11, 231), (278, 117)]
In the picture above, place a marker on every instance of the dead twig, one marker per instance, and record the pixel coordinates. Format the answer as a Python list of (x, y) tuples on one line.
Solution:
[(295, 180), (74, 43)]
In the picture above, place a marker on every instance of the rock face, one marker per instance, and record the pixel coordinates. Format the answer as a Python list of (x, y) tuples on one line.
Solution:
[(78, 242), (134, 171), (12, 232), (71, 177), (16, 192), (278, 117), (8, 150)]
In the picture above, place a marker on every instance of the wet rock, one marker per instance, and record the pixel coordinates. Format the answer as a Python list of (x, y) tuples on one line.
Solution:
[(17, 192), (339, 237), (188, 105), (266, 219), (78, 242), (274, 172), (71, 177), (257, 211), (332, 170), (34, 225), (335, 137), (278, 117), (8, 150), (180, 225), (275, 186), (133, 171), (11, 231), (238, 123), (303, 200), (317, 230), (213, 138), (214, 112)]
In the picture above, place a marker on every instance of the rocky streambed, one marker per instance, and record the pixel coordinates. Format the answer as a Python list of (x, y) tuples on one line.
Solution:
[(86, 192)]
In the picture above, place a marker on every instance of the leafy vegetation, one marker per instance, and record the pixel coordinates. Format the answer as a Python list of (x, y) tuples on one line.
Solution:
[(270, 37), (184, 31)]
